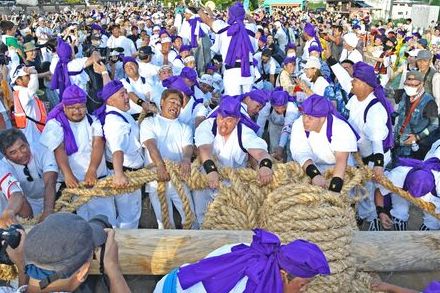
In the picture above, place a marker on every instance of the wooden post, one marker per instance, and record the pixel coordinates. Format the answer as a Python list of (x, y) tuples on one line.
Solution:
[(156, 252)]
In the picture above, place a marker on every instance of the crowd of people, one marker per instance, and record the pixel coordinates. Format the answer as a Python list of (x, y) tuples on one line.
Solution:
[(94, 93)]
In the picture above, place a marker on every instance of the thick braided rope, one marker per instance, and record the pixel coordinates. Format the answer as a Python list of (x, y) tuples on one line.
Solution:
[(161, 194), (180, 188)]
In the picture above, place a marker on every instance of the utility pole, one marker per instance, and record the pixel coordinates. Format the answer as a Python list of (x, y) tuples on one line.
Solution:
[(391, 9)]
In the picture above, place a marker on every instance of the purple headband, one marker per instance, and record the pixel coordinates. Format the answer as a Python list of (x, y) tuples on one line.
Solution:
[(240, 45), (419, 181), (310, 29), (259, 96), (289, 60), (229, 107), (260, 262), (315, 48), (279, 97), (107, 91), (290, 46), (365, 73), (188, 72), (263, 39), (177, 83), (319, 106), (185, 48), (128, 59), (406, 39), (73, 94), (212, 67)]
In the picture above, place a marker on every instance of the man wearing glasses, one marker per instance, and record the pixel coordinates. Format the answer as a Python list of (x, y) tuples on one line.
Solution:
[(34, 167)]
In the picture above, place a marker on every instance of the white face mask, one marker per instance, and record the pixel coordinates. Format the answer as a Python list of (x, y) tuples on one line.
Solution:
[(411, 90), (291, 54)]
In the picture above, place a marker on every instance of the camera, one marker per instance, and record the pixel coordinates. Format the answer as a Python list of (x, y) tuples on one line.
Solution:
[(9, 237)]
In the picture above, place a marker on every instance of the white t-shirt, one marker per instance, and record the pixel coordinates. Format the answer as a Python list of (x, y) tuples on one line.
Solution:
[(319, 86), (375, 127), (76, 65), (53, 136), (122, 42), (228, 150), (189, 113), (8, 184), (141, 88), (317, 147)]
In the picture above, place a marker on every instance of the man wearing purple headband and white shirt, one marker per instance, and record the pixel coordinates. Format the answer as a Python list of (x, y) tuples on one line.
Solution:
[(370, 116), (322, 139), (76, 139), (311, 38), (281, 111), (226, 136), (236, 43), (263, 266), (123, 150)]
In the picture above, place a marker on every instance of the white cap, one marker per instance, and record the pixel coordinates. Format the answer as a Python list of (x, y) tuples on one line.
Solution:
[(351, 39), (189, 59), (206, 78), (17, 72), (313, 62), (165, 40)]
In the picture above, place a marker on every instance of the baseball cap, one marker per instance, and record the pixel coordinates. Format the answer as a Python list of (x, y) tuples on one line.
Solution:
[(313, 63), (57, 247), (146, 50), (18, 72), (415, 75), (29, 46), (424, 55), (207, 79)]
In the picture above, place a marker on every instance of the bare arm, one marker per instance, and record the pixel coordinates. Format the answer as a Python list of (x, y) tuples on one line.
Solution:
[(63, 163), (50, 181), (341, 164), (155, 155), (205, 152), (206, 16), (98, 144), (199, 120)]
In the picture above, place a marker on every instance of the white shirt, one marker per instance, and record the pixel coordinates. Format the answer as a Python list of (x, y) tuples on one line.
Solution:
[(75, 65), (171, 137), (185, 30), (53, 136), (317, 147), (228, 150), (374, 129), (8, 184), (140, 89), (122, 136), (26, 96), (307, 45), (158, 56), (149, 71), (319, 86), (122, 42), (42, 161), (189, 113)]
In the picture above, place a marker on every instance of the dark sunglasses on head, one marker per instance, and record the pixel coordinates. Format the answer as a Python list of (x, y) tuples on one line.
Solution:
[(27, 174)]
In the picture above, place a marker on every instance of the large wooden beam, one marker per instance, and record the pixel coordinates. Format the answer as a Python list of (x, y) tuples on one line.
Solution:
[(156, 252)]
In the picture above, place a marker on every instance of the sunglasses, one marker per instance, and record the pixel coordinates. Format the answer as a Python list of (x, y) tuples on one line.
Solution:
[(27, 174)]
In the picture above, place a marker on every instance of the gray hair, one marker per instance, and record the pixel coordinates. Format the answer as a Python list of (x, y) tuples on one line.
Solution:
[(8, 137)]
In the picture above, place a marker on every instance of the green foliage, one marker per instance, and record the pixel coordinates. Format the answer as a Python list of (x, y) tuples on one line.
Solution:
[(72, 1), (314, 5)]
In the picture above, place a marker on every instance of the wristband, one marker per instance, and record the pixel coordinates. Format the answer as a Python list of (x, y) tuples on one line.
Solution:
[(209, 166), (312, 171), (336, 184), (266, 163), (139, 102), (384, 210), (378, 160), (104, 72)]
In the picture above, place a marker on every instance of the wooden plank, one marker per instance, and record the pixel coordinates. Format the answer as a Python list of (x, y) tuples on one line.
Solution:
[(156, 252)]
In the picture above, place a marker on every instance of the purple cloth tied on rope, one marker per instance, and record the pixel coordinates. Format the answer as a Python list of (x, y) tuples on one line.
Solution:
[(261, 262), (420, 181), (240, 45), (72, 95), (365, 73)]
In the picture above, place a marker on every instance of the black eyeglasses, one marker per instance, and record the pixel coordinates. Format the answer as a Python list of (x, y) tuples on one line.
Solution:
[(27, 174)]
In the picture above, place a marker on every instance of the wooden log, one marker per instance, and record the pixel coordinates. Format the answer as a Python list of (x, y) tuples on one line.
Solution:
[(156, 252)]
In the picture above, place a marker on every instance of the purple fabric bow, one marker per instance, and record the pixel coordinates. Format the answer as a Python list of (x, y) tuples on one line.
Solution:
[(419, 181), (177, 83), (72, 95), (366, 73), (240, 45), (260, 262), (230, 107), (193, 23), (60, 78), (108, 90), (319, 106)]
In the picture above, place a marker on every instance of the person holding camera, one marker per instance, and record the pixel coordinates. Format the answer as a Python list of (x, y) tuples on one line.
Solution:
[(56, 255)]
